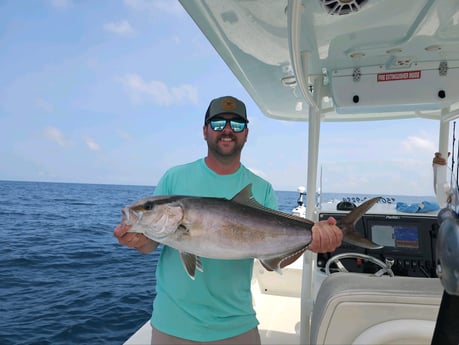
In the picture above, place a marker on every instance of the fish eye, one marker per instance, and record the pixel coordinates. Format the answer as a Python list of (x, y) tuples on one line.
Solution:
[(148, 206)]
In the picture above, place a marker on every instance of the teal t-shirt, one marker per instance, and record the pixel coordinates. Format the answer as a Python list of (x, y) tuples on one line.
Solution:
[(218, 303)]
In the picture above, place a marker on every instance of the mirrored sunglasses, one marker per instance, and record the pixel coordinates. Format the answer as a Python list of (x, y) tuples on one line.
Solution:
[(237, 126)]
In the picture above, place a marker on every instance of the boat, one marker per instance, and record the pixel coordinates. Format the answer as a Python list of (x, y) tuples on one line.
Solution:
[(319, 61)]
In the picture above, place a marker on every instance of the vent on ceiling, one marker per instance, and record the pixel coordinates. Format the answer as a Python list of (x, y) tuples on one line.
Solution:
[(341, 7)]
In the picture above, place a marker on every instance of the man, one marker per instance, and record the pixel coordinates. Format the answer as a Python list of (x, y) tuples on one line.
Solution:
[(216, 307)]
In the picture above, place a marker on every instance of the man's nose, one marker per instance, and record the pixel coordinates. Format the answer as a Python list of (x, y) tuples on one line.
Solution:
[(227, 127)]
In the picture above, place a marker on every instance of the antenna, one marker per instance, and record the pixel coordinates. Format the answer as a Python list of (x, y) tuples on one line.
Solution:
[(319, 191)]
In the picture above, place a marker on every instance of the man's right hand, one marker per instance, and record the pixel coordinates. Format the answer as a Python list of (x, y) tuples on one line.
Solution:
[(134, 240)]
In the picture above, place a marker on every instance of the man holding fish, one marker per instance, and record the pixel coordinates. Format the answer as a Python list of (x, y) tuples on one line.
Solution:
[(213, 217)]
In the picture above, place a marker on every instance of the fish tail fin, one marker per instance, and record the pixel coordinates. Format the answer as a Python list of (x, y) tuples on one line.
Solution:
[(347, 224)]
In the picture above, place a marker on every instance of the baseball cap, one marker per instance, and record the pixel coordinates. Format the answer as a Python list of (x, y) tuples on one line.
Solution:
[(225, 105)]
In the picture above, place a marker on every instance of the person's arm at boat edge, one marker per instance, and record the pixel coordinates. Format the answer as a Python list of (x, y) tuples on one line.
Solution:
[(442, 188), (438, 159)]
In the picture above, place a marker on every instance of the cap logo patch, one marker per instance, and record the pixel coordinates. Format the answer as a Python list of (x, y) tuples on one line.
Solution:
[(229, 104)]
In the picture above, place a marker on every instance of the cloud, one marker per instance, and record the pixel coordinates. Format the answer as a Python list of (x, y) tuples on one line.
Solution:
[(55, 135), (91, 144), (164, 6), (169, 7), (43, 105), (120, 28), (416, 144), (259, 172), (124, 135), (158, 92), (61, 3)]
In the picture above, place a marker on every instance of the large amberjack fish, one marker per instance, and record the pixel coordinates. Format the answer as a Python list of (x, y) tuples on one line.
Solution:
[(231, 229)]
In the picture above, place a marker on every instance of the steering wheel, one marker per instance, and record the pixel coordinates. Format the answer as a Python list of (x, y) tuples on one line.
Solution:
[(385, 268)]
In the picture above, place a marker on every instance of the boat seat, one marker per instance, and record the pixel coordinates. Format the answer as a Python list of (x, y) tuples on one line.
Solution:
[(353, 308)]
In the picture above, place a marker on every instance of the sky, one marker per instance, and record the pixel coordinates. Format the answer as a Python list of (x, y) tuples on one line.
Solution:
[(115, 91)]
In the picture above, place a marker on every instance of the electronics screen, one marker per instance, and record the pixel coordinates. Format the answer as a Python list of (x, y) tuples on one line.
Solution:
[(395, 236)]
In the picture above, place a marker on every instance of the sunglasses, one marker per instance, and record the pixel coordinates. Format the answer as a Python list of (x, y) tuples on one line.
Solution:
[(237, 126)]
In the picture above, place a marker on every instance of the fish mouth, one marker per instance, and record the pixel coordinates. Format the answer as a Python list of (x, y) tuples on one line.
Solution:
[(131, 217)]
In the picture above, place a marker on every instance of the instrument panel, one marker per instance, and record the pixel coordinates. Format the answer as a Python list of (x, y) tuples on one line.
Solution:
[(408, 242)]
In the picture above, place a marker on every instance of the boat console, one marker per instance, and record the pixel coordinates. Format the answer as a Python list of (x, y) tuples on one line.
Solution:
[(408, 242)]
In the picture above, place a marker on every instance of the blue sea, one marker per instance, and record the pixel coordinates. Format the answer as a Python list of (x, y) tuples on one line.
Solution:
[(64, 279)]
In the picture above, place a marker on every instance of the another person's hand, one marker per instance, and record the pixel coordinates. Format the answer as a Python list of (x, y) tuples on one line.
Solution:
[(133, 240), (438, 159), (326, 236)]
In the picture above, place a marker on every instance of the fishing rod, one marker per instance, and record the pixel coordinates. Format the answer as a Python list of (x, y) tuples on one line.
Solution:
[(452, 155), (457, 165)]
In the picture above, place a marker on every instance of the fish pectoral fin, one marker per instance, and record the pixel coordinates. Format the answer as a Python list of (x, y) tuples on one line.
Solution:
[(191, 262), (275, 264), (199, 264)]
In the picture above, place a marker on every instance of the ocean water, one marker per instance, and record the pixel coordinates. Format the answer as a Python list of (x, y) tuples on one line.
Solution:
[(64, 279)]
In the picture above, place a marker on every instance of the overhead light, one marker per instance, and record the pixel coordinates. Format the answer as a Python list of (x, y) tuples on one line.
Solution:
[(299, 106), (433, 48), (394, 51), (357, 55), (289, 81)]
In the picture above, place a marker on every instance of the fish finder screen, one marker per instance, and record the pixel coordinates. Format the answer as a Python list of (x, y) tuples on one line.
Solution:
[(395, 236)]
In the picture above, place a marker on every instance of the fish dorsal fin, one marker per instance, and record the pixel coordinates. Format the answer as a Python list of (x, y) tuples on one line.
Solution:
[(191, 262), (245, 197), (275, 264)]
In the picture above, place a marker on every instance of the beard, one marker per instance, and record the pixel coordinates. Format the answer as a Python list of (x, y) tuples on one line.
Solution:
[(226, 145)]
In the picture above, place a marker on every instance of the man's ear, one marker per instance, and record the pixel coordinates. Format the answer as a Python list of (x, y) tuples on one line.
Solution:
[(204, 132)]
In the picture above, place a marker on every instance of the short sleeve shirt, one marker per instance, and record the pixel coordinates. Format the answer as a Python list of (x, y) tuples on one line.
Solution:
[(218, 303)]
